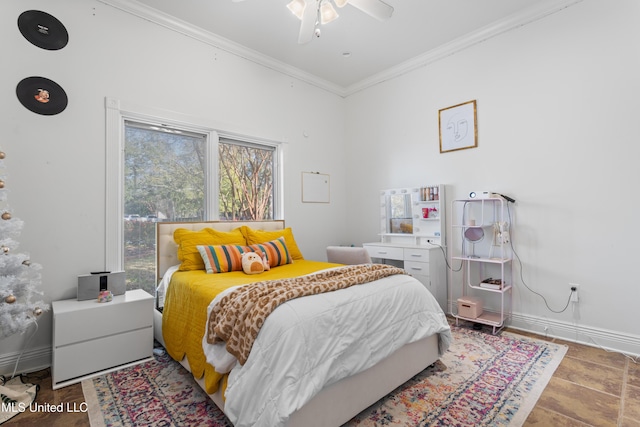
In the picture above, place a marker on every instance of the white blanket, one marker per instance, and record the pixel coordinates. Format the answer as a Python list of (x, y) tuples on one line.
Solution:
[(311, 342)]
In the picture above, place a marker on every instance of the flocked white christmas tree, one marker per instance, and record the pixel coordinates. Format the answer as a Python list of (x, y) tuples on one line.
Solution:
[(20, 302)]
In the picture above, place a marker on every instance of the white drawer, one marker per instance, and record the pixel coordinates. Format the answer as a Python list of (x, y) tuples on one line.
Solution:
[(417, 268), (77, 360), (93, 320), (385, 252), (411, 254)]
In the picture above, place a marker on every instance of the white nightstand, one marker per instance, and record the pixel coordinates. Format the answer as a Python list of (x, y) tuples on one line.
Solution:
[(91, 338)]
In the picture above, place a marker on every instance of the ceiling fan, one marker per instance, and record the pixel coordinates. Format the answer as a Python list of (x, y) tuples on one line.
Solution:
[(312, 13)]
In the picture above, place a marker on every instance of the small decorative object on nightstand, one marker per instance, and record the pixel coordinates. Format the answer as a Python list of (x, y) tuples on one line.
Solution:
[(105, 296), (91, 339)]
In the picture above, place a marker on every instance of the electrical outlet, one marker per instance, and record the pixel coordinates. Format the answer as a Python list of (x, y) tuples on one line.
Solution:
[(574, 291)]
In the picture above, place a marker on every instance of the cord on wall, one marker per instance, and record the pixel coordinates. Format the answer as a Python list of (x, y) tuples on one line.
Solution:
[(572, 295), (525, 284), (444, 254)]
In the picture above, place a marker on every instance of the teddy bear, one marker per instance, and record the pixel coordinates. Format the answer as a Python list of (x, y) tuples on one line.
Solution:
[(253, 263)]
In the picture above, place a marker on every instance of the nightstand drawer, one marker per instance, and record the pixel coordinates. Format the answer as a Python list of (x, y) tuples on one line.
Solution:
[(77, 321), (84, 358)]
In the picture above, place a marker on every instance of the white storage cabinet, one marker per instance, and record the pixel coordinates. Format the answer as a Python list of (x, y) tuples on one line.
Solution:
[(91, 338), (487, 273)]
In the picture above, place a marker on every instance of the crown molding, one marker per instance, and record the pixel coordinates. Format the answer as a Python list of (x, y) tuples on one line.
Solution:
[(171, 22), (520, 19), (538, 11)]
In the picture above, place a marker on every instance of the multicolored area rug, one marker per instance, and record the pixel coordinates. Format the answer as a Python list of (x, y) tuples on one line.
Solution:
[(483, 380)]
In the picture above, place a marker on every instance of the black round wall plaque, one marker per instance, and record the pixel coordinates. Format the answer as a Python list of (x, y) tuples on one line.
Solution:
[(42, 96), (43, 30)]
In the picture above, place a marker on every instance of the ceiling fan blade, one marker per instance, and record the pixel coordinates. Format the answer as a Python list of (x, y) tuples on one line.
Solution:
[(376, 8), (308, 24)]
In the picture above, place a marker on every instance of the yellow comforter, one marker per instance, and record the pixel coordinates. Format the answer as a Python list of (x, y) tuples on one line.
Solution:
[(184, 317)]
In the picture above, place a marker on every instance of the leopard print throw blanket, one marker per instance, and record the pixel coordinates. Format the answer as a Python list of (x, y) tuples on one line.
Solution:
[(236, 319)]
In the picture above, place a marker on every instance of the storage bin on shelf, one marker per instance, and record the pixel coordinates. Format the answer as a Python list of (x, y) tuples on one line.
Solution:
[(470, 307)]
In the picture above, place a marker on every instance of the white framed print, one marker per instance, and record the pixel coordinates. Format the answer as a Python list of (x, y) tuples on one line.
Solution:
[(458, 127)]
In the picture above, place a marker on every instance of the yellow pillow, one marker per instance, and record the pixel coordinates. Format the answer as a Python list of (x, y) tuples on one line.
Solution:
[(189, 240), (261, 236)]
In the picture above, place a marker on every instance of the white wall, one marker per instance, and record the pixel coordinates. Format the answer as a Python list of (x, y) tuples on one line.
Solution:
[(55, 165), (557, 112)]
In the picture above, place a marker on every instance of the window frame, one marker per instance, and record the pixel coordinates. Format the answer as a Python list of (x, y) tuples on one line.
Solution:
[(117, 112)]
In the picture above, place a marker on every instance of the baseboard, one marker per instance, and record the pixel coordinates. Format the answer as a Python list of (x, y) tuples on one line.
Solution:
[(595, 337), (31, 360)]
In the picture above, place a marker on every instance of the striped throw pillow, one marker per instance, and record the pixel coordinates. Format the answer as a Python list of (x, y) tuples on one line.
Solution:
[(222, 258), (275, 250)]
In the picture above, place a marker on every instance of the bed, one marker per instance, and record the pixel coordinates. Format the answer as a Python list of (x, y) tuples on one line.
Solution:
[(321, 383)]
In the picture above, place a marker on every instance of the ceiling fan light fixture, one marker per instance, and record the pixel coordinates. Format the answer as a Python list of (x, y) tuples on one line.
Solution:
[(327, 12), (297, 8), (312, 13)]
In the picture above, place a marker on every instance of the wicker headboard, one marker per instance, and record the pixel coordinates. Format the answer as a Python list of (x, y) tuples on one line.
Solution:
[(167, 250)]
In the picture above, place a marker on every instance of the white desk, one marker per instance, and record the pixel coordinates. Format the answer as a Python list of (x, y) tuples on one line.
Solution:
[(425, 263)]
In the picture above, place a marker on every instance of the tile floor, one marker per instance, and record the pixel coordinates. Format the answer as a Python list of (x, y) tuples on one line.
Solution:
[(591, 387)]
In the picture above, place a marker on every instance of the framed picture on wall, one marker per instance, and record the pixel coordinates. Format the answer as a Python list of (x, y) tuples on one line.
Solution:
[(458, 127)]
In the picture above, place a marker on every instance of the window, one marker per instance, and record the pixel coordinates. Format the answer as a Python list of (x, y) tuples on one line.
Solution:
[(164, 180), (178, 173), (164, 175), (246, 180)]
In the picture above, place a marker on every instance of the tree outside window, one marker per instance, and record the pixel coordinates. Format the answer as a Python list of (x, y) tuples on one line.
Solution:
[(165, 180), (246, 181)]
